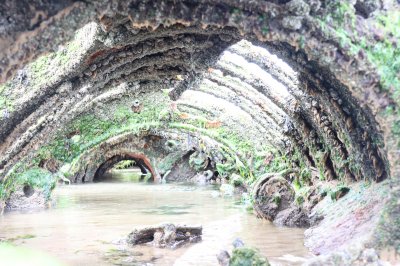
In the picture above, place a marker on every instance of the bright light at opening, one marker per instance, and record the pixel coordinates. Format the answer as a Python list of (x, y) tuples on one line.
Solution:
[(255, 73)]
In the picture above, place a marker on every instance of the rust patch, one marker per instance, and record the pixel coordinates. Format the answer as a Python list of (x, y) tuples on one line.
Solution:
[(146, 161), (213, 124), (184, 116), (96, 54), (101, 53)]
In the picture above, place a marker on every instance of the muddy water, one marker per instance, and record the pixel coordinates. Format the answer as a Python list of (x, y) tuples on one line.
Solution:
[(85, 226)]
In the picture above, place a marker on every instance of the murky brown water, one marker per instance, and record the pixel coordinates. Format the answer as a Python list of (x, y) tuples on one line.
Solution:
[(85, 226)]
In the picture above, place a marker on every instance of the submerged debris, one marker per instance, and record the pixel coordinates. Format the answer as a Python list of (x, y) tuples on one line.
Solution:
[(273, 194), (166, 235), (274, 201)]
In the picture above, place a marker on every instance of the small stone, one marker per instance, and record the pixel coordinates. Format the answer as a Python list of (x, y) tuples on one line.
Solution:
[(293, 217), (238, 243), (93, 67), (314, 103), (223, 258)]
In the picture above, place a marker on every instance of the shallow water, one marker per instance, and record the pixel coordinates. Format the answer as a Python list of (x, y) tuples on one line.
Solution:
[(88, 220)]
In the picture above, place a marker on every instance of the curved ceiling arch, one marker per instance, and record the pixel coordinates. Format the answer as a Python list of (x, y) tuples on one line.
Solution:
[(242, 74)]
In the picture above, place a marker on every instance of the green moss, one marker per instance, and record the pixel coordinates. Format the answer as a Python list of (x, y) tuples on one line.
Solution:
[(5, 101), (38, 178), (168, 162), (227, 146), (3, 192), (247, 257), (299, 200), (342, 13), (21, 174), (383, 54), (7, 185), (339, 192), (198, 161), (388, 233), (277, 199), (225, 169), (124, 164), (301, 195), (93, 130), (41, 67)]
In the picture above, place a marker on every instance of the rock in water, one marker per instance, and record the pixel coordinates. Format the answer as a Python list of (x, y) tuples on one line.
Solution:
[(293, 217), (166, 235), (238, 243), (223, 258)]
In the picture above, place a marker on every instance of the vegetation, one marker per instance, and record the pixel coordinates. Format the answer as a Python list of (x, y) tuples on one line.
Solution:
[(388, 232), (339, 192), (5, 101), (40, 69), (383, 52), (125, 164), (244, 256), (89, 130), (93, 130), (38, 178), (21, 175), (236, 180)]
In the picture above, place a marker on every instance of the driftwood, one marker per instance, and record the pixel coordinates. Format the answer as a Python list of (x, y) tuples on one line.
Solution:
[(166, 235)]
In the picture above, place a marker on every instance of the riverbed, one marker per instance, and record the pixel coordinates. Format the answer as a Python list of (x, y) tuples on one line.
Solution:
[(87, 223)]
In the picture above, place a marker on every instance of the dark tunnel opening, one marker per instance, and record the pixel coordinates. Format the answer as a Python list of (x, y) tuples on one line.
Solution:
[(139, 162)]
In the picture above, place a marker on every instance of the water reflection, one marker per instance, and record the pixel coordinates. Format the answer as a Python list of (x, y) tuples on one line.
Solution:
[(89, 220)]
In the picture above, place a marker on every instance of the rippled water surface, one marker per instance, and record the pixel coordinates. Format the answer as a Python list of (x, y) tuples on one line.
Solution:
[(85, 226)]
